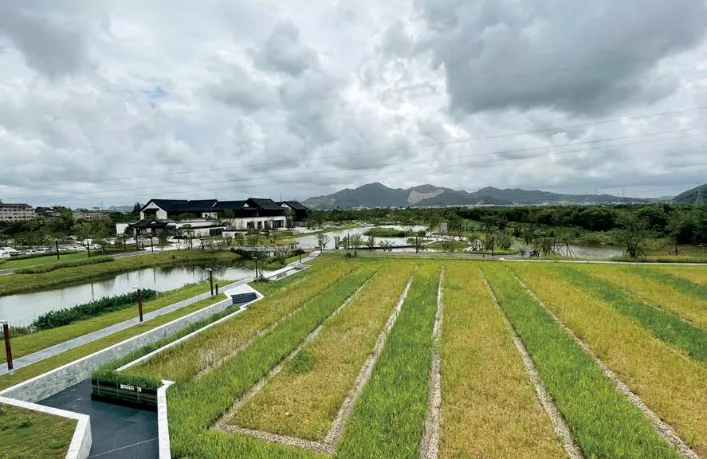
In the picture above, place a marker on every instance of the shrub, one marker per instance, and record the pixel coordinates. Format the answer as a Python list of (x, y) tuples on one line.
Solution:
[(65, 316)]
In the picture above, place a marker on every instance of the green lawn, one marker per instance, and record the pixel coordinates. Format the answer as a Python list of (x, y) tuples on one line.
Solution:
[(33, 342), (48, 260), (19, 283), (30, 434)]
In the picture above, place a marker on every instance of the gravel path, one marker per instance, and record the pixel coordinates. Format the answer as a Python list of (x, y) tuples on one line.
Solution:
[(558, 422), (662, 428), (429, 448)]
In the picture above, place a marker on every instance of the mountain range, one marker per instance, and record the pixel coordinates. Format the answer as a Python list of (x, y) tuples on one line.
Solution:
[(378, 195), (690, 196)]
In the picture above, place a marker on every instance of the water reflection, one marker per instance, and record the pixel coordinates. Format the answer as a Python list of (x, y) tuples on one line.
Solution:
[(21, 309)]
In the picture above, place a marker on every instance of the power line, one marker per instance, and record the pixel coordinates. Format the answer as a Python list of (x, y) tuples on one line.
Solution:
[(182, 189), (374, 166), (411, 147)]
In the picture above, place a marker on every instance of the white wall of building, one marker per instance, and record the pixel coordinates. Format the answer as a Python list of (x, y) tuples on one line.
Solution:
[(161, 214), (258, 222)]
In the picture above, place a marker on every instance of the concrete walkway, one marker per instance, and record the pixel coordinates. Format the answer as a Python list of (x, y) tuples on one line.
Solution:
[(102, 333)]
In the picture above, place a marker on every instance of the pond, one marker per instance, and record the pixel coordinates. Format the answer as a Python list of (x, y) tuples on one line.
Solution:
[(589, 251), (23, 308), (310, 241)]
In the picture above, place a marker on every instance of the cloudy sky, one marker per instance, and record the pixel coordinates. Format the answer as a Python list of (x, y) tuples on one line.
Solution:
[(116, 101)]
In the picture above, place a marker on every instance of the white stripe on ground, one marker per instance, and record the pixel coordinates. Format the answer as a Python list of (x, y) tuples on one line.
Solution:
[(558, 422), (662, 428), (429, 447)]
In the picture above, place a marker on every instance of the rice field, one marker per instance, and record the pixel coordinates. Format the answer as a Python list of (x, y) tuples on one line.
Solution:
[(407, 358)]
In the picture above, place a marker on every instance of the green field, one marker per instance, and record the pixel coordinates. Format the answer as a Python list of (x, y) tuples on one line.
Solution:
[(29, 434), (46, 260), (327, 365)]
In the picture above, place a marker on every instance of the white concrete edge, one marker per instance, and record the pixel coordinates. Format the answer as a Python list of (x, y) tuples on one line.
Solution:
[(106, 349), (190, 335), (162, 421), (81, 441), (238, 289)]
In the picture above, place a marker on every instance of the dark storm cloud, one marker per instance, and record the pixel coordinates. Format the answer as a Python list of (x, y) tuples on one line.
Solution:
[(579, 57)]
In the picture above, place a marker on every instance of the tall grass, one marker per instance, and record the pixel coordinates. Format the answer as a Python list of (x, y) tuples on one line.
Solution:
[(673, 386), (489, 406), (683, 285), (108, 373), (665, 325), (188, 359), (389, 417), (196, 405), (303, 400), (604, 423)]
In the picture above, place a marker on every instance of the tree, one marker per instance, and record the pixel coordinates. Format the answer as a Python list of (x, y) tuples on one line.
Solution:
[(633, 235), (289, 217), (136, 209), (323, 241), (474, 242), (371, 242), (228, 214)]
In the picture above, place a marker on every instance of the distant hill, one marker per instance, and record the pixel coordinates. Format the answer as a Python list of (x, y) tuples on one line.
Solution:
[(378, 195), (690, 196)]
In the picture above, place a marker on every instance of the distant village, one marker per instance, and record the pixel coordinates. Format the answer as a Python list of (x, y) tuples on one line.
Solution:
[(167, 219)]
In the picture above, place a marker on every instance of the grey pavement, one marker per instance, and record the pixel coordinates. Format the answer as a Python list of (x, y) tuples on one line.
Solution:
[(118, 432), (98, 334)]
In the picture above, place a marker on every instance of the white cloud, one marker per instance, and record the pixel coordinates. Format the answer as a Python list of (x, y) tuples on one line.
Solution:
[(129, 100)]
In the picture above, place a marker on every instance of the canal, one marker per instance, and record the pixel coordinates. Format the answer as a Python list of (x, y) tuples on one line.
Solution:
[(21, 309)]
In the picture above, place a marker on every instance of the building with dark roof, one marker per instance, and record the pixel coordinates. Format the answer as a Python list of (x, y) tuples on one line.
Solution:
[(256, 213), (301, 213)]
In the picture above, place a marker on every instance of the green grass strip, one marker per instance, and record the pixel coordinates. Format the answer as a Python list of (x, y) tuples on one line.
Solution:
[(194, 406), (679, 283), (31, 434), (388, 418), (665, 325), (604, 423)]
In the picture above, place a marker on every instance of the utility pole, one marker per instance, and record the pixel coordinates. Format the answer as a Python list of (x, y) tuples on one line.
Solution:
[(57, 250), (211, 278), (139, 303), (8, 346), (88, 248), (152, 244)]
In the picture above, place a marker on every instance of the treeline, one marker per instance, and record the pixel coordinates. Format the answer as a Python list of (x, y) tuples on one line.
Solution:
[(45, 231), (684, 223)]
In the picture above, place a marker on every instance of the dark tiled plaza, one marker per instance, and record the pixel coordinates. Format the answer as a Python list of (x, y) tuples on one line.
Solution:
[(118, 432)]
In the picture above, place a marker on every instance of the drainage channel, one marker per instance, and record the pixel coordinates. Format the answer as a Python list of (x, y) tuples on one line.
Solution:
[(118, 432)]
